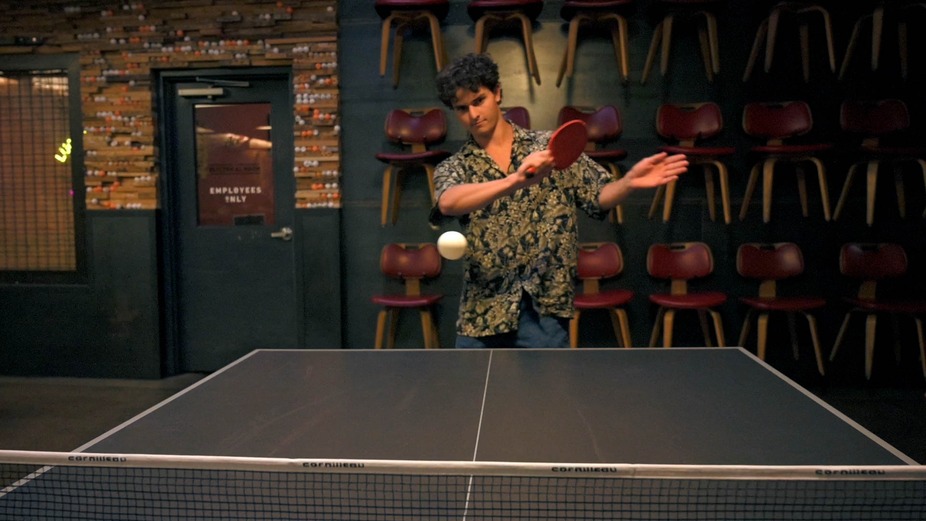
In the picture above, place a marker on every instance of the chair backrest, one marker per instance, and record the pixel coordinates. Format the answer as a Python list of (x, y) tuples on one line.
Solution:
[(679, 260), (603, 123), (410, 262), (874, 118), (520, 116), (769, 261), (599, 260), (688, 123), (872, 261), (421, 127), (775, 121)]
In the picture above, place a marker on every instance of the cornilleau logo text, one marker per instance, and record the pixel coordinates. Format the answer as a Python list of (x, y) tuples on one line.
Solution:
[(333, 465), (594, 470), (117, 459), (850, 472)]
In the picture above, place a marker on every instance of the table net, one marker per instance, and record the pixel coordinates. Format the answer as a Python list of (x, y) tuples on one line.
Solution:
[(125, 487)]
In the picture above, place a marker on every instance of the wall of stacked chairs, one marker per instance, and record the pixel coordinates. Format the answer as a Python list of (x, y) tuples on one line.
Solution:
[(804, 122)]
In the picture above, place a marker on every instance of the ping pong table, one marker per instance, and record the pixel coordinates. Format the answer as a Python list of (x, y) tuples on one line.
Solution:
[(681, 406), (668, 406)]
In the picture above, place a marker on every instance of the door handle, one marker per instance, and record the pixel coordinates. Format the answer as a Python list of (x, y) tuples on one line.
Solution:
[(284, 234)]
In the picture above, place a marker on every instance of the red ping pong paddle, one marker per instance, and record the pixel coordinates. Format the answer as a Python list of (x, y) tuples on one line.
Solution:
[(566, 144)]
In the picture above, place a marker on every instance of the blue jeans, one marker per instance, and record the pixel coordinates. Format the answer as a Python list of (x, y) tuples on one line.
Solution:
[(534, 330)]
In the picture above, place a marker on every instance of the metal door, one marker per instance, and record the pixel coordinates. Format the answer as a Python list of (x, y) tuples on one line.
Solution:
[(230, 277)]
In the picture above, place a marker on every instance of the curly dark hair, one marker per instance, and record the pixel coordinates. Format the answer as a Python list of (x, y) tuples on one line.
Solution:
[(468, 72)]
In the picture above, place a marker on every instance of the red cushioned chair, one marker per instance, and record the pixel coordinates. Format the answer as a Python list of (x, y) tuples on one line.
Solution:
[(598, 262), (611, 13), (520, 116), (604, 128), (880, 125), (769, 264), (411, 263), (415, 130), (689, 125), (781, 124), (490, 13), (872, 264), (405, 14), (680, 263)]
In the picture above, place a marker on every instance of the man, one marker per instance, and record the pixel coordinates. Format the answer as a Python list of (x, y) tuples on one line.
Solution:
[(519, 214)]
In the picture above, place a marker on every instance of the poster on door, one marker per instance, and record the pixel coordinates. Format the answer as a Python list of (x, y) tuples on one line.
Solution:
[(234, 165)]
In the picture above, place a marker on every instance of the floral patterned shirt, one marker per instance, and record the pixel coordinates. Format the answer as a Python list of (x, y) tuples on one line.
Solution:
[(525, 242)]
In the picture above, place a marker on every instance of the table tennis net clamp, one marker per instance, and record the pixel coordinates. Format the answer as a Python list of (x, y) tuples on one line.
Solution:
[(60, 485)]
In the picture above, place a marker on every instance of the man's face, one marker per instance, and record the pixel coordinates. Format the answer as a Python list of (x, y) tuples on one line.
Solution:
[(478, 111)]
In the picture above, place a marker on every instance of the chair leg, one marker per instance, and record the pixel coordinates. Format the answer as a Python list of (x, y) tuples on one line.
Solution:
[(762, 341), (386, 198), (872, 187), (840, 336), (528, 34), (567, 67), (815, 339), (804, 32), (481, 34), (853, 41), (668, 327), (747, 326), (705, 44), (871, 324), (657, 327), (877, 29), (824, 187), (750, 189), (392, 327), (919, 337), (437, 42), (669, 200), (574, 330), (621, 44), (768, 176), (844, 195), (899, 190), (660, 193), (771, 36), (709, 192), (718, 328), (802, 189), (624, 324), (384, 44), (761, 33), (724, 191), (397, 44), (651, 54), (666, 44), (713, 41), (380, 328)]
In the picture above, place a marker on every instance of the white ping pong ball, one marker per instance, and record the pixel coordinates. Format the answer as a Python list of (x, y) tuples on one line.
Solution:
[(451, 245)]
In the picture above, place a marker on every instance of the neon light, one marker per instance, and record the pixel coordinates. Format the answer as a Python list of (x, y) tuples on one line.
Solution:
[(64, 151)]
